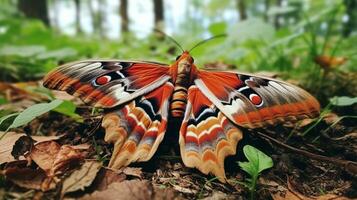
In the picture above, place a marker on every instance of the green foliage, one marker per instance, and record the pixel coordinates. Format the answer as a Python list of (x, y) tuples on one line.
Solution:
[(68, 108), (257, 162), (335, 101), (343, 101), (64, 107), (7, 118), (34, 111)]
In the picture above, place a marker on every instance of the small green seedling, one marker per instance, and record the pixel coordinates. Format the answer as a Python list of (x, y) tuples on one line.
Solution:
[(257, 162)]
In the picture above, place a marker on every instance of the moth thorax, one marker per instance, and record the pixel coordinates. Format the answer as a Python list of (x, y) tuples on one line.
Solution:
[(179, 101)]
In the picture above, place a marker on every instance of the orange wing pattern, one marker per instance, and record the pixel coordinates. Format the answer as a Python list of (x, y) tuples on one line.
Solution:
[(137, 129), (206, 135), (107, 83), (252, 101)]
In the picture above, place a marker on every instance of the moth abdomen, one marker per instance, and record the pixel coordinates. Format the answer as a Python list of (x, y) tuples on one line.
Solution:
[(178, 101)]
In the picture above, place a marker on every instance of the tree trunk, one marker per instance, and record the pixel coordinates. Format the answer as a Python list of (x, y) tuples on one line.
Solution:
[(267, 6), (159, 14), (35, 9), (97, 17), (276, 17), (77, 4), (123, 11), (242, 9)]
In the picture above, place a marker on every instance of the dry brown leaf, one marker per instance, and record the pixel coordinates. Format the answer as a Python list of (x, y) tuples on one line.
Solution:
[(26, 177), (331, 118), (13, 92), (106, 177), (8, 141), (349, 136), (305, 122), (54, 159), (128, 190), (292, 194), (184, 189), (82, 177), (166, 194), (220, 196), (133, 171)]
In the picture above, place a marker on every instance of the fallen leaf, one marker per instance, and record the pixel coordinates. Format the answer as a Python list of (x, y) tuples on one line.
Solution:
[(8, 141), (128, 190), (305, 122), (331, 118), (82, 177), (133, 171), (17, 91), (220, 196), (292, 194), (23, 176), (106, 177), (55, 159), (184, 189), (349, 136), (166, 194)]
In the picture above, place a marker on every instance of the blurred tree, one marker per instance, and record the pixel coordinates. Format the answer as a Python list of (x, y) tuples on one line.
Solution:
[(123, 11), (351, 12), (277, 16), (35, 9), (55, 19), (77, 4), (159, 14), (242, 10), (266, 9), (97, 17)]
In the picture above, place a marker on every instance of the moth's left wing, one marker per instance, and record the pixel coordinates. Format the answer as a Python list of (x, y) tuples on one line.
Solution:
[(206, 135), (107, 83), (251, 101), (137, 128)]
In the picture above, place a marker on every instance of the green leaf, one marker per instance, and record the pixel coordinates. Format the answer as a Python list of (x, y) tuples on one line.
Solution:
[(251, 29), (34, 111), (217, 28), (257, 161), (343, 101), (58, 54), (6, 117), (68, 108), (22, 51), (279, 10)]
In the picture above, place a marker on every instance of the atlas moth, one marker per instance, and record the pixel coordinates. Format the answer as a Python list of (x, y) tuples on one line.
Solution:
[(140, 97)]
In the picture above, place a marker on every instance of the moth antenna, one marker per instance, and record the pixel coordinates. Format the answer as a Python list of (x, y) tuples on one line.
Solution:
[(169, 37), (207, 40)]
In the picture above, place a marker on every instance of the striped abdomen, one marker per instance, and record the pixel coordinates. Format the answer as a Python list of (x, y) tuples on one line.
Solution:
[(178, 101)]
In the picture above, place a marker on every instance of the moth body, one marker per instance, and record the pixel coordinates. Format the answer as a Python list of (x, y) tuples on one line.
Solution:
[(183, 71)]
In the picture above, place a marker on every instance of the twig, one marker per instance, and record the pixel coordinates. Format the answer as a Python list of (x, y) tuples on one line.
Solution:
[(349, 166)]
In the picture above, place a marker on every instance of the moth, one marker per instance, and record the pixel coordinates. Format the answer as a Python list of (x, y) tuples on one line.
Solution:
[(140, 97)]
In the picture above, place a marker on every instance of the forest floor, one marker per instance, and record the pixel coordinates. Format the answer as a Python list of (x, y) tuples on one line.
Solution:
[(69, 161)]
